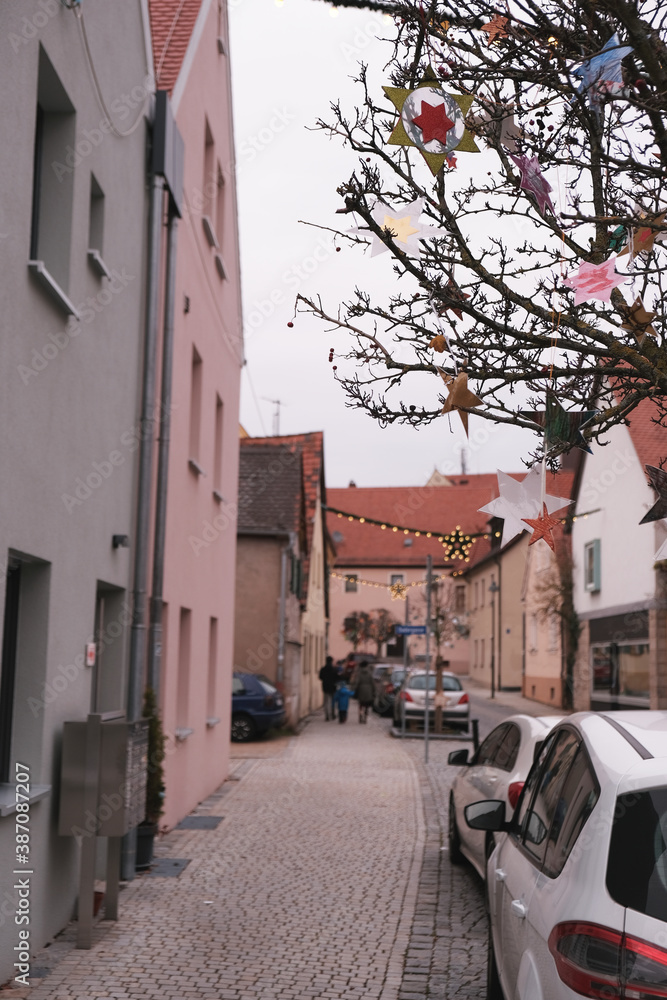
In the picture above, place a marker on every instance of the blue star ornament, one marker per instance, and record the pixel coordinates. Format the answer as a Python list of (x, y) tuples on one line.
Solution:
[(602, 74)]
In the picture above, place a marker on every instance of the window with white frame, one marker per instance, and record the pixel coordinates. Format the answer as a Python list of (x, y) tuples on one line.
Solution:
[(592, 566)]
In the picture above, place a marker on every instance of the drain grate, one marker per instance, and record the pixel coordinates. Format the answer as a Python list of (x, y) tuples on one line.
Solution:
[(200, 822), (169, 867)]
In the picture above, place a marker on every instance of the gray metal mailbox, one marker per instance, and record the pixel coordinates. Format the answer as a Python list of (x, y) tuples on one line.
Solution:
[(102, 794)]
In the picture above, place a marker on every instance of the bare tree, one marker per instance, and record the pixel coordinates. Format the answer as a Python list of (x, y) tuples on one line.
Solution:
[(566, 101)]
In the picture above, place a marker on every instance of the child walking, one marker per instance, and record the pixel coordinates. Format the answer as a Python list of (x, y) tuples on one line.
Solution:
[(341, 699)]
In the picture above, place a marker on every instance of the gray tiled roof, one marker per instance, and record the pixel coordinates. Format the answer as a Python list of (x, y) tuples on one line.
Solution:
[(270, 489)]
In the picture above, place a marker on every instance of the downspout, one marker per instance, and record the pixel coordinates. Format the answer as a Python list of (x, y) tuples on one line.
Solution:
[(499, 631), (138, 631), (284, 553), (155, 626)]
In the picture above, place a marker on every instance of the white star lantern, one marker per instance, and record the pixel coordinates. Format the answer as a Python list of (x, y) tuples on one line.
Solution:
[(519, 500), (404, 224)]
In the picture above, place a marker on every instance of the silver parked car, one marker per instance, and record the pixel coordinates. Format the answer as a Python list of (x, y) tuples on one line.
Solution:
[(497, 770), (412, 699)]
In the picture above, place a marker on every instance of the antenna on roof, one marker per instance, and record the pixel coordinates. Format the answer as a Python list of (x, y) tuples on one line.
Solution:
[(276, 414)]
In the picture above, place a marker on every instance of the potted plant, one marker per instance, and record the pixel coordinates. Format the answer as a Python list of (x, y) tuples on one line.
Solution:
[(147, 830)]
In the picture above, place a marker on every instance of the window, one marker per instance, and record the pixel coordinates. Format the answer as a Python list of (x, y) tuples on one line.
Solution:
[(621, 670), (211, 699), (295, 576), (96, 229), (482, 592), (220, 206), (554, 633), (217, 457), (111, 620), (195, 410), (592, 566), (209, 187), (576, 801), (183, 683), (488, 748), (532, 633), (507, 752), (476, 594), (52, 185), (460, 597), (474, 653), (637, 867), (546, 805), (396, 578), (351, 583), (482, 658)]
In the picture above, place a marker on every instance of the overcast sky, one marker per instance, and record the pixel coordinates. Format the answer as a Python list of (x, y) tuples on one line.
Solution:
[(289, 61)]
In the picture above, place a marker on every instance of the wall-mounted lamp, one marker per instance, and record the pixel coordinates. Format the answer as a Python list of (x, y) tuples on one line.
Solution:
[(120, 541)]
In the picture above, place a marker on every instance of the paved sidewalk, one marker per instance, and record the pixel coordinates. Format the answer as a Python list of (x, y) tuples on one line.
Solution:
[(306, 889)]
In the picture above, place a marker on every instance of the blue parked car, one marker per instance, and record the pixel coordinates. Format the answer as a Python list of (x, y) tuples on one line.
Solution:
[(256, 706)]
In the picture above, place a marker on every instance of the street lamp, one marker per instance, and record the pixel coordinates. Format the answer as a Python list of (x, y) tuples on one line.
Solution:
[(493, 590)]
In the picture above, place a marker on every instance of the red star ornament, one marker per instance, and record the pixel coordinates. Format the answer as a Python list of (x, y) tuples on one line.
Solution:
[(433, 122), (542, 527)]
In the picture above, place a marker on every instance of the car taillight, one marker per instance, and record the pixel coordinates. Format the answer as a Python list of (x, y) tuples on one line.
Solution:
[(598, 962), (269, 701), (463, 700), (514, 791), (406, 696), (389, 688)]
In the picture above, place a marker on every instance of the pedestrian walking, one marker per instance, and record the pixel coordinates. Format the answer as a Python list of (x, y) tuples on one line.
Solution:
[(329, 678), (364, 689), (341, 700)]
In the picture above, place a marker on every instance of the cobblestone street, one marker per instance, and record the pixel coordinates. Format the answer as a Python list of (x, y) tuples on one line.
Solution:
[(327, 877)]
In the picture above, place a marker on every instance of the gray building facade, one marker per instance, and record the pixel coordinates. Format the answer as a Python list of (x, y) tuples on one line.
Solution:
[(75, 99)]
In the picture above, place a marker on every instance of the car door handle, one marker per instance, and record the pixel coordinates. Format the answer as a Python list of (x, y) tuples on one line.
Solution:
[(501, 875), (519, 909)]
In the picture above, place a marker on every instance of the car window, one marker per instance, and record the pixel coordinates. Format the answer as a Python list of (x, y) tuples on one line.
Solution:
[(267, 687), (506, 752), (238, 686), (637, 865), (418, 682), (577, 798), (531, 783), (451, 684), (546, 800), (490, 745)]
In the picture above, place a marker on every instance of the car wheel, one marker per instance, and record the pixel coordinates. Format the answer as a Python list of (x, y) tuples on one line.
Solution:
[(243, 728), (454, 840), (493, 988)]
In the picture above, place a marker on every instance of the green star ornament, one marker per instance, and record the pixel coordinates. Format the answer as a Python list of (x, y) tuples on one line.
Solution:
[(432, 120)]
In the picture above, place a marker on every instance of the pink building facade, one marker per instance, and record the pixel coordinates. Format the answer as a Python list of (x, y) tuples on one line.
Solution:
[(190, 46)]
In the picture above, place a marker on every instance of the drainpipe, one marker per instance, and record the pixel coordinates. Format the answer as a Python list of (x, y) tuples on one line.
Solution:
[(155, 626), (500, 631), (280, 676), (138, 632)]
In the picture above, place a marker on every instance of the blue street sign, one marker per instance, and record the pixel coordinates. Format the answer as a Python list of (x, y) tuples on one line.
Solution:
[(410, 629)]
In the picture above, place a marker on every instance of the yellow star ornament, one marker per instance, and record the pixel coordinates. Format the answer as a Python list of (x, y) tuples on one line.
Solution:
[(432, 120), (459, 396), (401, 228)]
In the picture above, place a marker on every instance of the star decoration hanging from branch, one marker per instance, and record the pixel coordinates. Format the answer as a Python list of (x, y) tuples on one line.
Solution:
[(543, 527), (603, 74), (403, 222), (432, 120), (642, 240), (562, 428), (595, 281), (459, 396), (639, 321), (519, 500), (534, 181), (452, 292), (658, 479), (495, 28)]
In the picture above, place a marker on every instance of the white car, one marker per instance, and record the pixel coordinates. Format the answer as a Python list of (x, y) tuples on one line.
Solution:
[(578, 889), (497, 770), (412, 699)]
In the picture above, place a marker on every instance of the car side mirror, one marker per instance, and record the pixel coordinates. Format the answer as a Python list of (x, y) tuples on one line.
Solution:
[(458, 757), (486, 815)]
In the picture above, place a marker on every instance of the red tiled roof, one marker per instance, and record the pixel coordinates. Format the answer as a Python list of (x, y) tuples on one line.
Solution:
[(649, 439), (312, 451), (426, 508), (172, 24)]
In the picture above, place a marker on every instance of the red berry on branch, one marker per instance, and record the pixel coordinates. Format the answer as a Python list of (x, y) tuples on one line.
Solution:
[(335, 367), (337, 249), (290, 324)]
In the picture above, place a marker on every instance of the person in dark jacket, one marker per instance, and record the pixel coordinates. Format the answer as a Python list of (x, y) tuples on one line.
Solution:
[(342, 699), (329, 678), (364, 689)]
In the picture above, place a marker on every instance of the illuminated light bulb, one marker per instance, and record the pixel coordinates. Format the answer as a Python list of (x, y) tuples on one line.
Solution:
[(350, 519), (417, 534), (339, 515), (441, 538), (279, 3), (383, 526), (394, 528), (362, 520), (405, 531), (428, 534), (333, 12)]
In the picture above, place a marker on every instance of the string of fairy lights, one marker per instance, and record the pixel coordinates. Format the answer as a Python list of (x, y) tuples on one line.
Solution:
[(398, 589)]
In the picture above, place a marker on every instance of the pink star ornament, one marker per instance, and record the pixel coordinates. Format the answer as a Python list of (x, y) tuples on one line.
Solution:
[(595, 281), (534, 181)]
